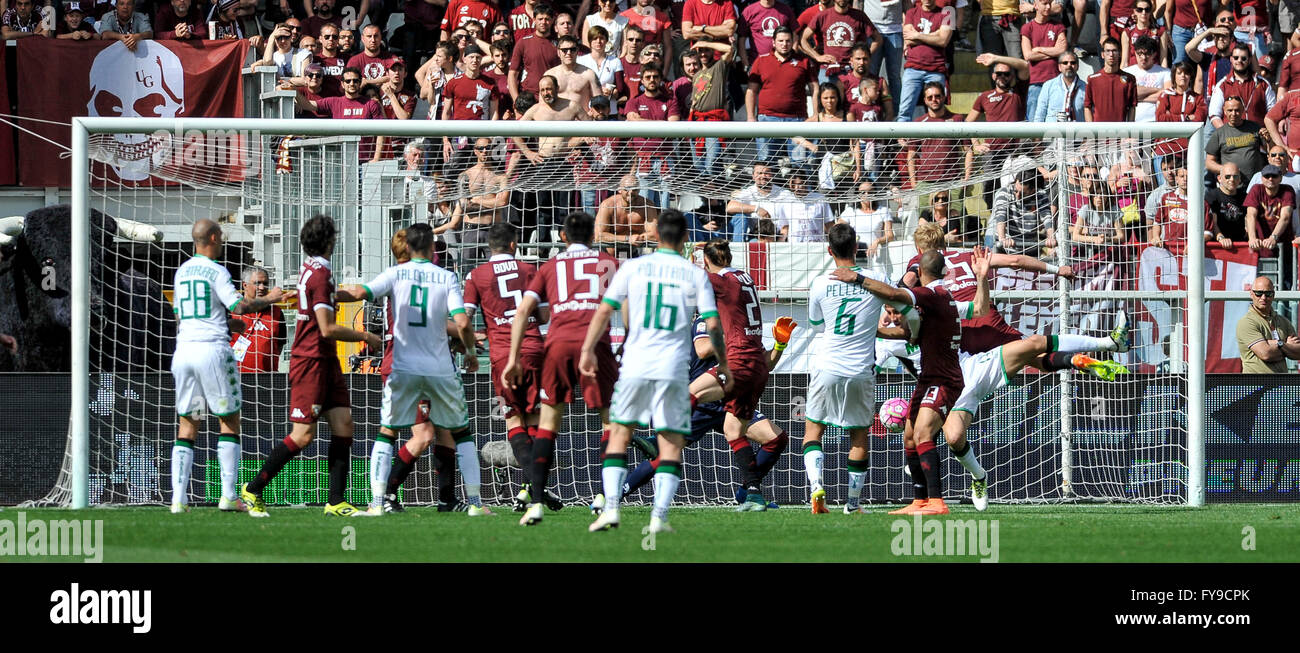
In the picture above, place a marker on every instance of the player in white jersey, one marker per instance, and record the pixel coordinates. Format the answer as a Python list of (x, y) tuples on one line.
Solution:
[(841, 392), (421, 296), (204, 365), (659, 293)]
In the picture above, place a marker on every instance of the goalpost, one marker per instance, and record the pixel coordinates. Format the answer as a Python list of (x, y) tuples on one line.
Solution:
[(1046, 438)]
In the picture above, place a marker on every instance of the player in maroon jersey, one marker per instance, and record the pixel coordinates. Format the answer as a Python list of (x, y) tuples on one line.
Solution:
[(570, 285), (316, 385), (940, 381), (497, 288), (742, 324), (1048, 353)]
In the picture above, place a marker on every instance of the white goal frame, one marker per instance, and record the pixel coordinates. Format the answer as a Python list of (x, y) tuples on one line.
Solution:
[(83, 127)]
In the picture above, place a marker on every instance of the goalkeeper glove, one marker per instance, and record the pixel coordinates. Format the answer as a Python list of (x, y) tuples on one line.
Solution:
[(781, 332)]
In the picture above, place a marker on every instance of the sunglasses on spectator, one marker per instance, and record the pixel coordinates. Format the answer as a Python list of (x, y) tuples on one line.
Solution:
[(329, 36), (310, 75), (572, 48), (1142, 10), (460, 37), (1263, 293), (482, 148), (1238, 177), (293, 28), (500, 31), (351, 80), (1002, 73), (1241, 58), (1069, 62), (632, 40), (1281, 154)]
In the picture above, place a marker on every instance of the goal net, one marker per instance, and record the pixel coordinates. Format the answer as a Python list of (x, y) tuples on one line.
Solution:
[(1105, 204)]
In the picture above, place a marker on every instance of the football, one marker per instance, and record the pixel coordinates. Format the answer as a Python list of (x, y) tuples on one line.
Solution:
[(893, 414)]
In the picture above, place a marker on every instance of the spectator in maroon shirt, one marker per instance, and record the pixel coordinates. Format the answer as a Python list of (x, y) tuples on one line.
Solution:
[(321, 14), (1041, 41), (309, 87), (860, 71), (74, 26), (836, 30), (497, 73), (21, 21), (1268, 212), (656, 26), (1254, 90), (460, 12), (629, 80), (373, 60), (352, 105), (1005, 102), (779, 84), (1111, 94), (521, 19), (1170, 227), (180, 21), (760, 20), (927, 32), (933, 159), (534, 54), (652, 166)]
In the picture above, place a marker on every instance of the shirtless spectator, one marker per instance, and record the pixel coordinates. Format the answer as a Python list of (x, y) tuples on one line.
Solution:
[(577, 82), (534, 54), (622, 218), (125, 24), (486, 196), (180, 20), (549, 162)]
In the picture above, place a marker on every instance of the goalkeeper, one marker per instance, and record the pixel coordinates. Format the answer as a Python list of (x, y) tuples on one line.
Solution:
[(710, 416)]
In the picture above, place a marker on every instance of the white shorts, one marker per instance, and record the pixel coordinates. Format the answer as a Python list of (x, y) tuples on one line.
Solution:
[(206, 378), (846, 402), (643, 402), (404, 391), (982, 375)]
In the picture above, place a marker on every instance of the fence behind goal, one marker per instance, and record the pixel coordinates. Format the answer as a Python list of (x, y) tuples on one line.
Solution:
[(1046, 437)]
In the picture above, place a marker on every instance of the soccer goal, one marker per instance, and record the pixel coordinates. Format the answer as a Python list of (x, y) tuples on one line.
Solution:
[(1064, 194)]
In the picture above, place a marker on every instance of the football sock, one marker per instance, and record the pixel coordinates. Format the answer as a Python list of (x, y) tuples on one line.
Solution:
[(521, 444), (641, 475), (918, 474), (667, 478), (857, 479), (744, 460), (402, 467), (381, 463), (1057, 360), (769, 454), (446, 461), (467, 455), (612, 472), (1071, 343), (281, 454), (228, 459), (182, 461), (812, 463), (966, 456), (929, 459), (340, 457), (543, 450)]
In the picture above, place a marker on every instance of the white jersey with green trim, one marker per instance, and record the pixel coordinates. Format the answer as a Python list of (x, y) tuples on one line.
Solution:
[(422, 297), (660, 293), (202, 292), (848, 315)]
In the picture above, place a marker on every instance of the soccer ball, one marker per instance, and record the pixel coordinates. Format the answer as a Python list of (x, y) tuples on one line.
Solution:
[(893, 414)]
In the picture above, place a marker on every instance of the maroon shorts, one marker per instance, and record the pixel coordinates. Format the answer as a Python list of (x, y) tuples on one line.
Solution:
[(938, 397), (748, 384), (523, 399), (421, 409), (560, 374), (316, 385)]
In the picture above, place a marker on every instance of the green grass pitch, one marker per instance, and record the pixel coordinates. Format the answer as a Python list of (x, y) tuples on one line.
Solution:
[(1044, 533)]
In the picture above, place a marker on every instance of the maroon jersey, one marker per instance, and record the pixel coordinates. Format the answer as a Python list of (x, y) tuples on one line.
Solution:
[(835, 33), (922, 56), (470, 98), (742, 321), (532, 57), (460, 12), (315, 290), (1042, 35), (940, 335), (572, 284), (331, 73), (936, 158), (783, 85), (1110, 96), (495, 288), (980, 334), (999, 106), (371, 67), (521, 22), (1172, 217)]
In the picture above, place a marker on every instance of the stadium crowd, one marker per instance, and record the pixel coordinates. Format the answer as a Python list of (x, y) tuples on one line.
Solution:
[(1230, 64)]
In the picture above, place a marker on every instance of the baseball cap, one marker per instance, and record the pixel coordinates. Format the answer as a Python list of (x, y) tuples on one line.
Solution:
[(69, 7), (471, 49), (1270, 171), (397, 61), (1266, 62), (228, 4)]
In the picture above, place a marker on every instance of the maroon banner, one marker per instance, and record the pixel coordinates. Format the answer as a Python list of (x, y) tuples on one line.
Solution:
[(161, 79), (8, 175)]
